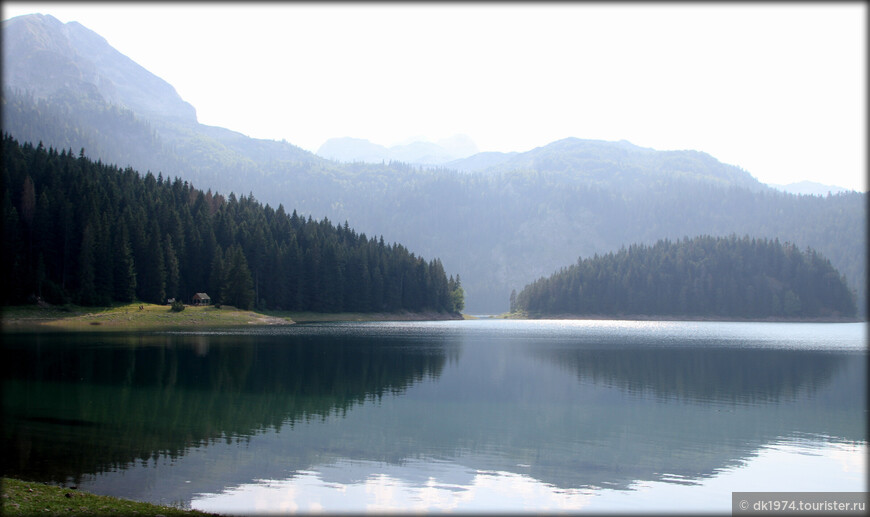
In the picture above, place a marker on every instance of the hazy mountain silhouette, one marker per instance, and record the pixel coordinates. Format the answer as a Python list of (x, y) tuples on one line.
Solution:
[(500, 220), (416, 152), (79, 77), (809, 188), (602, 162), (45, 56)]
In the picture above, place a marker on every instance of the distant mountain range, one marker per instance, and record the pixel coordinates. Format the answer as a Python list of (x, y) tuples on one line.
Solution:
[(416, 152), (601, 162), (459, 153), (809, 188), (500, 220)]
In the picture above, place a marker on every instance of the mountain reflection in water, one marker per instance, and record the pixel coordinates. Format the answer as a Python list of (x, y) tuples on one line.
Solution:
[(165, 417)]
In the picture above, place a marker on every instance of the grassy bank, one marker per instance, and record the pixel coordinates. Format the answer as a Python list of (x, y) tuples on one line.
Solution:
[(30, 498), (130, 317), (316, 317)]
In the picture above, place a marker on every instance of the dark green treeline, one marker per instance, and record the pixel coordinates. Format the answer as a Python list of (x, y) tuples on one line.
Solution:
[(704, 276), (79, 231)]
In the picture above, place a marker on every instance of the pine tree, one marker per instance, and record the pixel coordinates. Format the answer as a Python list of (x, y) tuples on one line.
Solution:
[(87, 290), (457, 296), (171, 267), (124, 268), (238, 289), (103, 258), (152, 276), (217, 276), (9, 240)]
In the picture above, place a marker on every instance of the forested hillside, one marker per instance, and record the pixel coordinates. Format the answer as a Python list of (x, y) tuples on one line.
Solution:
[(614, 164), (214, 156), (701, 277), (78, 231), (498, 230), (521, 216)]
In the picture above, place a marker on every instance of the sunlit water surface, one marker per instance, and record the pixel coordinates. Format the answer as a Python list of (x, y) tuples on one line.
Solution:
[(463, 416)]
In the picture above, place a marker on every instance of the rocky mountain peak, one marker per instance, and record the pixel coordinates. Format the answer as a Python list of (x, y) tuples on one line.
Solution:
[(47, 57)]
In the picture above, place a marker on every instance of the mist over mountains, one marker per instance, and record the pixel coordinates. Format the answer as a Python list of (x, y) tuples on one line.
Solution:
[(500, 220), (416, 152), (46, 57), (809, 188), (592, 161)]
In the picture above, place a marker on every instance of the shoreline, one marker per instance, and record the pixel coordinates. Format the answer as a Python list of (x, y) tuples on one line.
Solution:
[(24, 497), (646, 317), (130, 318), (326, 317)]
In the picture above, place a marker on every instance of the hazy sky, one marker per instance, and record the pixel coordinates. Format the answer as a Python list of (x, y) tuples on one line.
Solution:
[(777, 89)]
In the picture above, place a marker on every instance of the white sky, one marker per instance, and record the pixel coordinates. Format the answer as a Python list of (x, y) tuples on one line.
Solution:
[(777, 89)]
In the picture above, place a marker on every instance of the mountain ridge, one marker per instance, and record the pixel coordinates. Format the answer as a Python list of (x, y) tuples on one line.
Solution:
[(597, 160), (809, 188), (527, 215), (417, 152), (83, 58)]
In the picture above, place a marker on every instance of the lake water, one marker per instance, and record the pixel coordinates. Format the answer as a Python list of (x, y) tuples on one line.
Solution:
[(465, 416)]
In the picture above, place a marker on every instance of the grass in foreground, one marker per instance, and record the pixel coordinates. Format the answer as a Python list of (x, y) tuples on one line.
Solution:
[(31, 498)]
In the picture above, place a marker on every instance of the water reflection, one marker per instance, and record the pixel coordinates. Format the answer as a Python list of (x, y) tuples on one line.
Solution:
[(737, 375), (77, 404), (439, 486), (439, 409)]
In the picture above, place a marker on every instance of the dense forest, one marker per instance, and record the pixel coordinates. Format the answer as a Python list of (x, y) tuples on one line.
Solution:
[(705, 276), (508, 219), (74, 230), (497, 228)]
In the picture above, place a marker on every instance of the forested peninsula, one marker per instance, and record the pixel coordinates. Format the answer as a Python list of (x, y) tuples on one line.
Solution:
[(702, 277), (83, 232)]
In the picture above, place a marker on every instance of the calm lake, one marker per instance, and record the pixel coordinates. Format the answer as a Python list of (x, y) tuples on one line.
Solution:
[(465, 416)]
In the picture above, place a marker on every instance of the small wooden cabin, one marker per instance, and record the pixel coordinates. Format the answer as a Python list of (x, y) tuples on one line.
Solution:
[(201, 299)]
